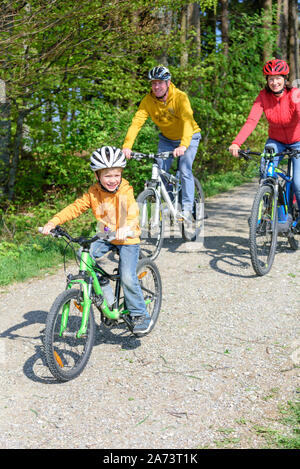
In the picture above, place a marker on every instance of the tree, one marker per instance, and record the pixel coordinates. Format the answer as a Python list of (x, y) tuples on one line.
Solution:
[(225, 26), (293, 40), (267, 25), (283, 28)]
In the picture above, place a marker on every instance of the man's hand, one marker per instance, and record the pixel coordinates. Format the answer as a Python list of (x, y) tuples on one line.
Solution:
[(179, 151), (127, 153)]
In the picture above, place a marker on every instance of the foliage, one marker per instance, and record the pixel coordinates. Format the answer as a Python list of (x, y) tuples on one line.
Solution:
[(75, 74)]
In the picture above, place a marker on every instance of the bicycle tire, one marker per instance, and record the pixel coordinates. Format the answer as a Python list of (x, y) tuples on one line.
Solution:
[(263, 236), (151, 285), (294, 237), (152, 236), (191, 231), (66, 355)]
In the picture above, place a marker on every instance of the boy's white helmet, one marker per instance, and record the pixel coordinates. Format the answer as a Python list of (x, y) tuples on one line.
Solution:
[(107, 157)]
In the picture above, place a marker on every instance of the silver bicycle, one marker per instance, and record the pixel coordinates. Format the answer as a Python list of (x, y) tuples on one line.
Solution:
[(160, 203)]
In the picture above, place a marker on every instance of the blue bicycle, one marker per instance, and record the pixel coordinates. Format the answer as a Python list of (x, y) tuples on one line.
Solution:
[(274, 211)]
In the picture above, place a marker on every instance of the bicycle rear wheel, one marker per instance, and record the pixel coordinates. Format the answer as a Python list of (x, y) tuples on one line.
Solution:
[(67, 355), (263, 230), (191, 231), (152, 230), (150, 282)]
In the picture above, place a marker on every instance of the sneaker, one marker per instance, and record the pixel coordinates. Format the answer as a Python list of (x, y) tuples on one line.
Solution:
[(142, 324), (188, 215)]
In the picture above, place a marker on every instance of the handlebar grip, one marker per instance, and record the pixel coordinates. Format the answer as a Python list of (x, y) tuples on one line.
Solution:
[(51, 233)]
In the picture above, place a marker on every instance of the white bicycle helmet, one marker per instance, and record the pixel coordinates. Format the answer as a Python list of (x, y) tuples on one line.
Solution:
[(159, 73), (107, 157)]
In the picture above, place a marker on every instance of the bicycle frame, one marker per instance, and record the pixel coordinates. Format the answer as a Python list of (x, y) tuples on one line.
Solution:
[(162, 193), (283, 195), (88, 281)]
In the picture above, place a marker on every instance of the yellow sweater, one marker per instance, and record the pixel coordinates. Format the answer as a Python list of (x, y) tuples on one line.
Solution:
[(174, 118), (114, 210)]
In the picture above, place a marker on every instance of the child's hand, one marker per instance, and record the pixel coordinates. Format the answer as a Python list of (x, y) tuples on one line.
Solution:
[(122, 233), (47, 228)]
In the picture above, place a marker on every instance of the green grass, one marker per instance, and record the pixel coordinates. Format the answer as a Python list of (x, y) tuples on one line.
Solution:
[(290, 417), (215, 184), (30, 260)]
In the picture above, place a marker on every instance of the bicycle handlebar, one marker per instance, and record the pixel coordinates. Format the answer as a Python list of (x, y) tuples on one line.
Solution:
[(164, 155), (59, 232), (290, 153)]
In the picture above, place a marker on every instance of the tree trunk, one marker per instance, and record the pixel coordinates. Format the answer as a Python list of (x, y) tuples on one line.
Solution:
[(267, 22), (293, 40), (5, 135), (15, 154), (194, 24), (183, 37), (225, 26), (165, 21), (283, 28)]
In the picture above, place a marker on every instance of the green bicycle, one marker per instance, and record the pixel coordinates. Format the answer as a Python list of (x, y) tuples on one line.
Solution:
[(70, 326)]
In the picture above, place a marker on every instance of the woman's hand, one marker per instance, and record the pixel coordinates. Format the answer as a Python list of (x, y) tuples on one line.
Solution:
[(234, 149)]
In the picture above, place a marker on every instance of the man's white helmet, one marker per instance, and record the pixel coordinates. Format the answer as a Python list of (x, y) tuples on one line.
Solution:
[(107, 157), (159, 73)]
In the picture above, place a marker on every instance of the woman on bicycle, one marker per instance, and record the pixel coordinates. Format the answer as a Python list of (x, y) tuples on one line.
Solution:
[(281, 105), (170, 109), (114, 207)]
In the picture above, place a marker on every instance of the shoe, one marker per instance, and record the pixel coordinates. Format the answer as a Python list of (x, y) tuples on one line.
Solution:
[(188, 215), (142, 324)]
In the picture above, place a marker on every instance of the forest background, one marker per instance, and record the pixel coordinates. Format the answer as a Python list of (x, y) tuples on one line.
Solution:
[(72, 74)]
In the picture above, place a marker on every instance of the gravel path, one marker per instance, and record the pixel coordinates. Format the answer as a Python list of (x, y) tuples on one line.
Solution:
[(220, 361)]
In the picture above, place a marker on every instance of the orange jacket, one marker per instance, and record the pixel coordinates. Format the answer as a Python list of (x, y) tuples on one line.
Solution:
[(114, 210)]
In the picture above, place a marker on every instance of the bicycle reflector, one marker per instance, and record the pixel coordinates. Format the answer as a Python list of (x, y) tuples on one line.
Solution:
[(78, 306), (142, 274), (58, 359)]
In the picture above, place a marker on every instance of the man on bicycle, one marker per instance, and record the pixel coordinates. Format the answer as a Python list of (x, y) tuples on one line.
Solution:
[(170, 109)]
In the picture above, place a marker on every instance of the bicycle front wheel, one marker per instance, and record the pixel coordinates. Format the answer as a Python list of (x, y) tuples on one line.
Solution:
[(191, 230), (66, 354), (263, 230), (152, 224), (150, 282)]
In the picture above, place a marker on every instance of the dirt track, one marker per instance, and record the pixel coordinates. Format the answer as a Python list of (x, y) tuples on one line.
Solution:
[(225, 353)]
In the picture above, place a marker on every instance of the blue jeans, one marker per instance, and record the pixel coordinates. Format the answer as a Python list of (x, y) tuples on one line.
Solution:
[(129, 255), (279, 147), (185, 166)]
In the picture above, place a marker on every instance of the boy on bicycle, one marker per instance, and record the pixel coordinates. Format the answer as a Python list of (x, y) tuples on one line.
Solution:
[(112, 202)]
